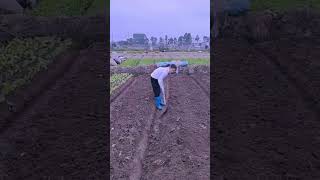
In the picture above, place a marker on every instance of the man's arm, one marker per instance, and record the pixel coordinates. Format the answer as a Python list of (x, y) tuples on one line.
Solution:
[(162, 91), (161, 84), (160, 81)]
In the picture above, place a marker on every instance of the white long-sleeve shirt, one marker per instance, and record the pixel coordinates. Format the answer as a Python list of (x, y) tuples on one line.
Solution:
[(159, 74)]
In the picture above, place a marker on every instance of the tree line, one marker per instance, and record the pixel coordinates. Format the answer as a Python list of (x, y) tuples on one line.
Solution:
[(186, 39)]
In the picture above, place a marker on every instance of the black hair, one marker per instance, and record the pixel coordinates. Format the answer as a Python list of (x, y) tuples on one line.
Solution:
[(173, 66)]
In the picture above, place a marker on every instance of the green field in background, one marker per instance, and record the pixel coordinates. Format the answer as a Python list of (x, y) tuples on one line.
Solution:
[(69, 7), (257, 5), (98, 6), (141, 62)]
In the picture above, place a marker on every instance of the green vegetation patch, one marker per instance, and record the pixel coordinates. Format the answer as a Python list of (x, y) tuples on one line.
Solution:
[(282, 5), (130, 63), (142, 62), (69, 7), (199, 61), (97, 6), (21, 59), (117, 80)]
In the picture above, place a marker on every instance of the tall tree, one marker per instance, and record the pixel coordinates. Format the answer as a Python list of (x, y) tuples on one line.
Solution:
[(170, 41), (153, 41), (206, 39), (187, 38), (166, 39), (160, 40), (180, 40), (130, 41), (175, 41), (197, 38)]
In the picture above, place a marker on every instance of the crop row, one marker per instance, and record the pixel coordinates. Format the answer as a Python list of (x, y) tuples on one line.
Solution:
[(117, 80), (21, 59)]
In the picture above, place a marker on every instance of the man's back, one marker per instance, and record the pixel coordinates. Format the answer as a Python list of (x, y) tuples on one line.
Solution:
[(160, 72)]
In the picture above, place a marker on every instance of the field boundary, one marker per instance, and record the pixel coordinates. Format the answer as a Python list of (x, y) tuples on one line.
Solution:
[(153, 122), (140, 70)]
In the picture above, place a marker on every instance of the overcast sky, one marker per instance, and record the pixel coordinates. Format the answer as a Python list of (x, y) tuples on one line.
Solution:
[(159, 18)]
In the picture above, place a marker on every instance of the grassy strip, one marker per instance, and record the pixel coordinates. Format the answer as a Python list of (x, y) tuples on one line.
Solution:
[(282, 5), (199, 61), (69, 7), (117, 80), (98, 6), (21, 59), (130, 63), (141, 62)]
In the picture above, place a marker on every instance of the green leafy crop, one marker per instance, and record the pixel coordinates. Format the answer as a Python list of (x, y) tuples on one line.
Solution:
[(117, 80), (21, 59)]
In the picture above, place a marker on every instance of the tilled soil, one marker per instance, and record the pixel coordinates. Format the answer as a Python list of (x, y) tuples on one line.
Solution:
[(300, 59), (263, 125), (129, 114), (172, 144), (62, 134), (203, 81)]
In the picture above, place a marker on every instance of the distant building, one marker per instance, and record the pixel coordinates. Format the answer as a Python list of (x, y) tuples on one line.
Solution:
[(140, 39)]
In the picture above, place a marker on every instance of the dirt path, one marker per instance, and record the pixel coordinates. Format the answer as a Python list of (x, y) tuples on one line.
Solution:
[(263, 126), (145, 142), (129, 114), (62, 136), (179, 147)]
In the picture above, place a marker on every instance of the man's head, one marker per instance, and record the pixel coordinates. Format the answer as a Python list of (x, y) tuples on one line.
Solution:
[(173, 68)]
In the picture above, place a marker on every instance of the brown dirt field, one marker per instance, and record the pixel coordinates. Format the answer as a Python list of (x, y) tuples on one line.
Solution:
[(300, 59), (171, 144), (128, 116), (62, 135), (265, 120)]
